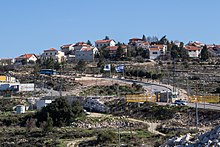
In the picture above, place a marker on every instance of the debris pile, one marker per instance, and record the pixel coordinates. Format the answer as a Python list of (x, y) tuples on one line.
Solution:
[(211, 138), (94, 105)]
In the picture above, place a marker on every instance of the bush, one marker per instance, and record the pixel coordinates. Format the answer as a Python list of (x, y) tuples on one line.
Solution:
[(106, 137), (61, 112)]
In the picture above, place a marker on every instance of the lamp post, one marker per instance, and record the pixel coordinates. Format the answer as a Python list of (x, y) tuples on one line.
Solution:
[(174, 70), (196, 105), (204, 99), (119, 140), (61, 80)]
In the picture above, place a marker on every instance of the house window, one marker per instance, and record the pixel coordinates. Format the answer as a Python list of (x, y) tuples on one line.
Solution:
[(46, 53), (50, 53), (154, 53)]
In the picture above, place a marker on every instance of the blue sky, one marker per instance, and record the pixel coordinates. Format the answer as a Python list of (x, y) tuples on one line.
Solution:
[(31, 26)]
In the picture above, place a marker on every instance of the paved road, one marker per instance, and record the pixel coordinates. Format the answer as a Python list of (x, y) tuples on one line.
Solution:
[(205, 106), (200, 105), (154, 87)]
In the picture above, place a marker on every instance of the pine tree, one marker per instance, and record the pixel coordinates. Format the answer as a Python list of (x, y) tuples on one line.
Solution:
[(89, 43), (58, 113), (144, 38), (119, 52), (174, 51), (204, 53), (81, 65), (164, 40), (49, 124), (107, 38)]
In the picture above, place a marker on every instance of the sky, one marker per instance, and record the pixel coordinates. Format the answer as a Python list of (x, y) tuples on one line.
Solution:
[(31, 26)]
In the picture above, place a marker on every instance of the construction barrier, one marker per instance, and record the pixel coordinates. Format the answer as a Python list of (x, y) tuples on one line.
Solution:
[(207, 98), (140, 98), (3, 78)]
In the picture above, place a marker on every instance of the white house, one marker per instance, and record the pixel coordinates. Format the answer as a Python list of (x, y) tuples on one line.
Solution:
[(193, 51), (27, 58), (70, 50), (163, 48), (157, 50), (195, 43), (101, 43), (67, 49), (7, 61), (86, 53), (154, 52), (79, 45), (54, 54)]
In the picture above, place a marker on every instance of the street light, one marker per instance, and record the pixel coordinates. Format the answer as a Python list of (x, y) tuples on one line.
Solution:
[(61, 80)]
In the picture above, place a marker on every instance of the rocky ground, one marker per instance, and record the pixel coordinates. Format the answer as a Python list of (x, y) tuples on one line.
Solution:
[(210, 138)]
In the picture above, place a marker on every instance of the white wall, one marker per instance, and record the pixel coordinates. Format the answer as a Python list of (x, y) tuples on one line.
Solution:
[(194, 53), (154, 54), (55, 55), (86, 55), (100, 45), (26, 87)]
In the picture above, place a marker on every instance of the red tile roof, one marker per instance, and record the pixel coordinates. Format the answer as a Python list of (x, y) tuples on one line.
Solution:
[(135, 39), (103, 41), (26, 56), (154, 49), (217, 46), (51, 49), (192, 48), (66, 46), (112, 48), (146, 43), (87, 49), (124, 46), (81, 44), (158, 46)]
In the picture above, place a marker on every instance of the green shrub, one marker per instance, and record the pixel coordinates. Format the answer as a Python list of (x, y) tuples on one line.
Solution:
[(106, 136)]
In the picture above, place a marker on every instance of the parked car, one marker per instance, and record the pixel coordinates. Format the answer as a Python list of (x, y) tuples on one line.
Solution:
[(180, 102)]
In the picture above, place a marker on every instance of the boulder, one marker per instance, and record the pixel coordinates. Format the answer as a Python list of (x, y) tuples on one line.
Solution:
[(205, 140), (218, 130)]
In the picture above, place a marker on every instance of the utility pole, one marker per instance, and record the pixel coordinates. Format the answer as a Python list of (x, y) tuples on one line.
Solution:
[(61, 81), (110, 71), (188, 90), (174, 70), (196, 105), (137, 73), (124, 71), (119, 144), (204, 93)]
